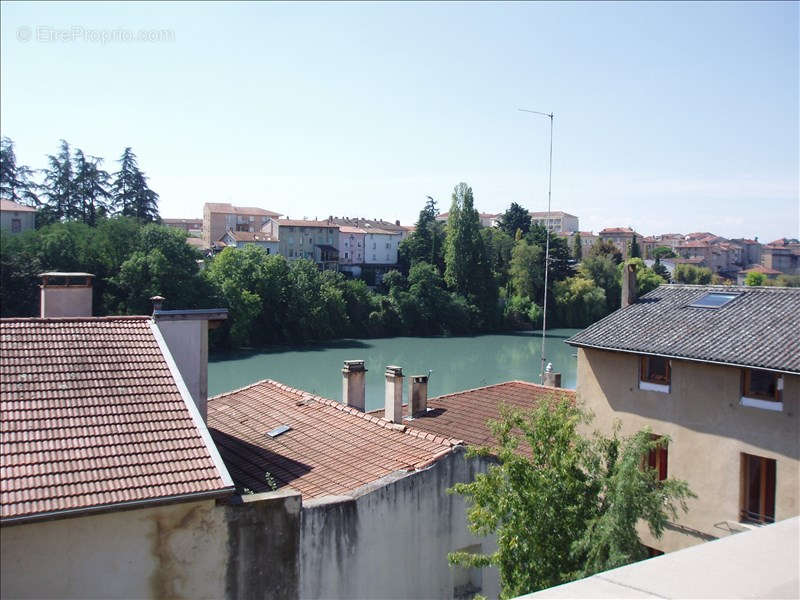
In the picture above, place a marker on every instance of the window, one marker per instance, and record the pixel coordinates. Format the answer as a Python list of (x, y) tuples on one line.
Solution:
[(762, 389), (657, 458), (654, 374), (713, 300), (758, 489), (16, 225), (373, 245), (345, 255)]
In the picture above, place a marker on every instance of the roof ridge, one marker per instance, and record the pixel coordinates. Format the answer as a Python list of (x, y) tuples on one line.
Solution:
[(485, 387), (77, 319)]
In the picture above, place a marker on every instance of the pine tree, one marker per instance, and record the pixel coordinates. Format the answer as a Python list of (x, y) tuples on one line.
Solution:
[(15, 180), (515, 218), (91, 187), (131, 195), (635, 252), (59, 188)]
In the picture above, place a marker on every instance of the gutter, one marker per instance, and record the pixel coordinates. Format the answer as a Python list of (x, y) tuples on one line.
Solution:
[(678, 357), (104, 508)]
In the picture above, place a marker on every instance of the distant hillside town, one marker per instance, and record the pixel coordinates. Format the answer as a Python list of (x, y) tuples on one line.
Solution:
[(350, 244)]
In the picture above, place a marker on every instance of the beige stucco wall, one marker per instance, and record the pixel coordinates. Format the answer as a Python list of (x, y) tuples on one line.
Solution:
[(709, 431), (176, 551)]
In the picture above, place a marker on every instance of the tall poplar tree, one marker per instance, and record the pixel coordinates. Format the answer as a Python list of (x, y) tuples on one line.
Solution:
[(577, 247), (15, 180)]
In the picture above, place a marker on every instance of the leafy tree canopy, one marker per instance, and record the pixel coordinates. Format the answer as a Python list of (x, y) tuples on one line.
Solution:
[(515, 219)]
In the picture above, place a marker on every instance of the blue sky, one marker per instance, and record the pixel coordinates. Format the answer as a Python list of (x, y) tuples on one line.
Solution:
[(668, 117)]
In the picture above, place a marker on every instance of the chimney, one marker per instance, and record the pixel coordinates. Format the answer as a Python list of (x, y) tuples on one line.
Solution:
[(628, 284), (157, 301), (551, 379), (185, 332), (418, 394), (66, 295), (353, 384), (397, 222), (393, 410)]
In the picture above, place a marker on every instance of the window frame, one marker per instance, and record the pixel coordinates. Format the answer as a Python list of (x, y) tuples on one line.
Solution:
[(748, 398), (653, 385), (658, 458)]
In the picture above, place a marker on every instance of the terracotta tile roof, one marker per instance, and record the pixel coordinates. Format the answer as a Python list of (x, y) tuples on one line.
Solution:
[(91, 417), (553, 214), (13, 206), (464, 414), (758, 328), (613, 230), (194, 241), (249, 236), (346, 229), (330, 449), (197, 222), (761, 269), (224, 207)]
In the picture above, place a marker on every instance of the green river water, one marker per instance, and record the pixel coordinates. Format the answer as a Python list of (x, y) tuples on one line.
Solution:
[(458, 363)]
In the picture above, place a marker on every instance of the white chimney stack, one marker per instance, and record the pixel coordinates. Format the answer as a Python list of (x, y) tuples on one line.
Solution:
[(354, 384), (393, 410), (418, 394), (66, 294)]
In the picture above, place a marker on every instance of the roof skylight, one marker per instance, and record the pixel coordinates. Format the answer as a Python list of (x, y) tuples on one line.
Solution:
[(279, 430), (714, 300)]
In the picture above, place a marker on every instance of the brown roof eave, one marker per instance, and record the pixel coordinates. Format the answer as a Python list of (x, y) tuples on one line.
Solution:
[(679, 357), (105, 508)]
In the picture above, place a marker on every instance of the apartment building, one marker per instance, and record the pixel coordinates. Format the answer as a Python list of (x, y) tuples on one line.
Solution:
[(486, 219), (621, 237), (588, 239), (193, 227), (717, 369), (221, 217), (303, 238), (556, 221)]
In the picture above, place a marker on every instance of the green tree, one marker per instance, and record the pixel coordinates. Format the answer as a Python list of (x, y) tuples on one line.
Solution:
[(754, 278), (579, 302), (568, 508), (560, 259), (19, 270), (685, 273), (16, 182), (663, 252), (61, 202), (526, 269), (131, 195), (91, 188), (499, 246), (635, 251), (602, 269), (426, 242), (660, 270), (606, 248), (787, 280), (515, 219), (646, 278), (577, 247)]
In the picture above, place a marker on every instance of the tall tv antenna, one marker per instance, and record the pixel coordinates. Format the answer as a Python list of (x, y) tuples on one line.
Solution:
[(547, 230)]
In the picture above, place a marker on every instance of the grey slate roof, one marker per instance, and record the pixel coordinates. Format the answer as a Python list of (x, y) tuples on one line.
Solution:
[(760, 328)]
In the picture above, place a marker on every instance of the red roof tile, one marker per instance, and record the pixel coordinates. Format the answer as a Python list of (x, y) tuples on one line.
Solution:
[(464, 414), (91, 416), (331, 449)]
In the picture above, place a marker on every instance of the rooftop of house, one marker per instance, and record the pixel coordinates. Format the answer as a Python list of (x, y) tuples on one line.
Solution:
[(346, 229), (756, 328), (329, 449), (369, 224), (618, 230), (93, 418), (552, 213), (761, 269), (464, 415), (14, 207), (198, 222), (196, 242), (249, 236), (224, 207), (306, 223)]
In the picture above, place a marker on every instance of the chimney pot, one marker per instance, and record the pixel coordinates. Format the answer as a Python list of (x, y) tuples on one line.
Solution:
[(418, 394), (551, 379), (157, 301), (354, 384), (393, 410)]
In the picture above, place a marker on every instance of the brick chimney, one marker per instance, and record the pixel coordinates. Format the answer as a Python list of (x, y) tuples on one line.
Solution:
[(418, 394), (393, 410), (551, 379), (628, 284), (353, 384), (66, 294)]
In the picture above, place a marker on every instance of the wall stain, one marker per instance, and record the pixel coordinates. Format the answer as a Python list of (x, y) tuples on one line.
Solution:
[(169, 569)]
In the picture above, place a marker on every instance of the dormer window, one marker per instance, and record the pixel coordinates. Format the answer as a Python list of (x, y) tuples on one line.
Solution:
[(762, 389), (654, 374)]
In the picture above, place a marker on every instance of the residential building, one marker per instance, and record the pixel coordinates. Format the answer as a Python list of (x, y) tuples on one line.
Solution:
[(621, 237), (751, 250), (380, 247), (373, 224), (239, 239), (301, 238), (219, 217), (351, 246), (768, 273), (782, 255), (486, 219), (588, 239), (556, 221), (193, 227), (717, 369), (719, 569), (16, 218)]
